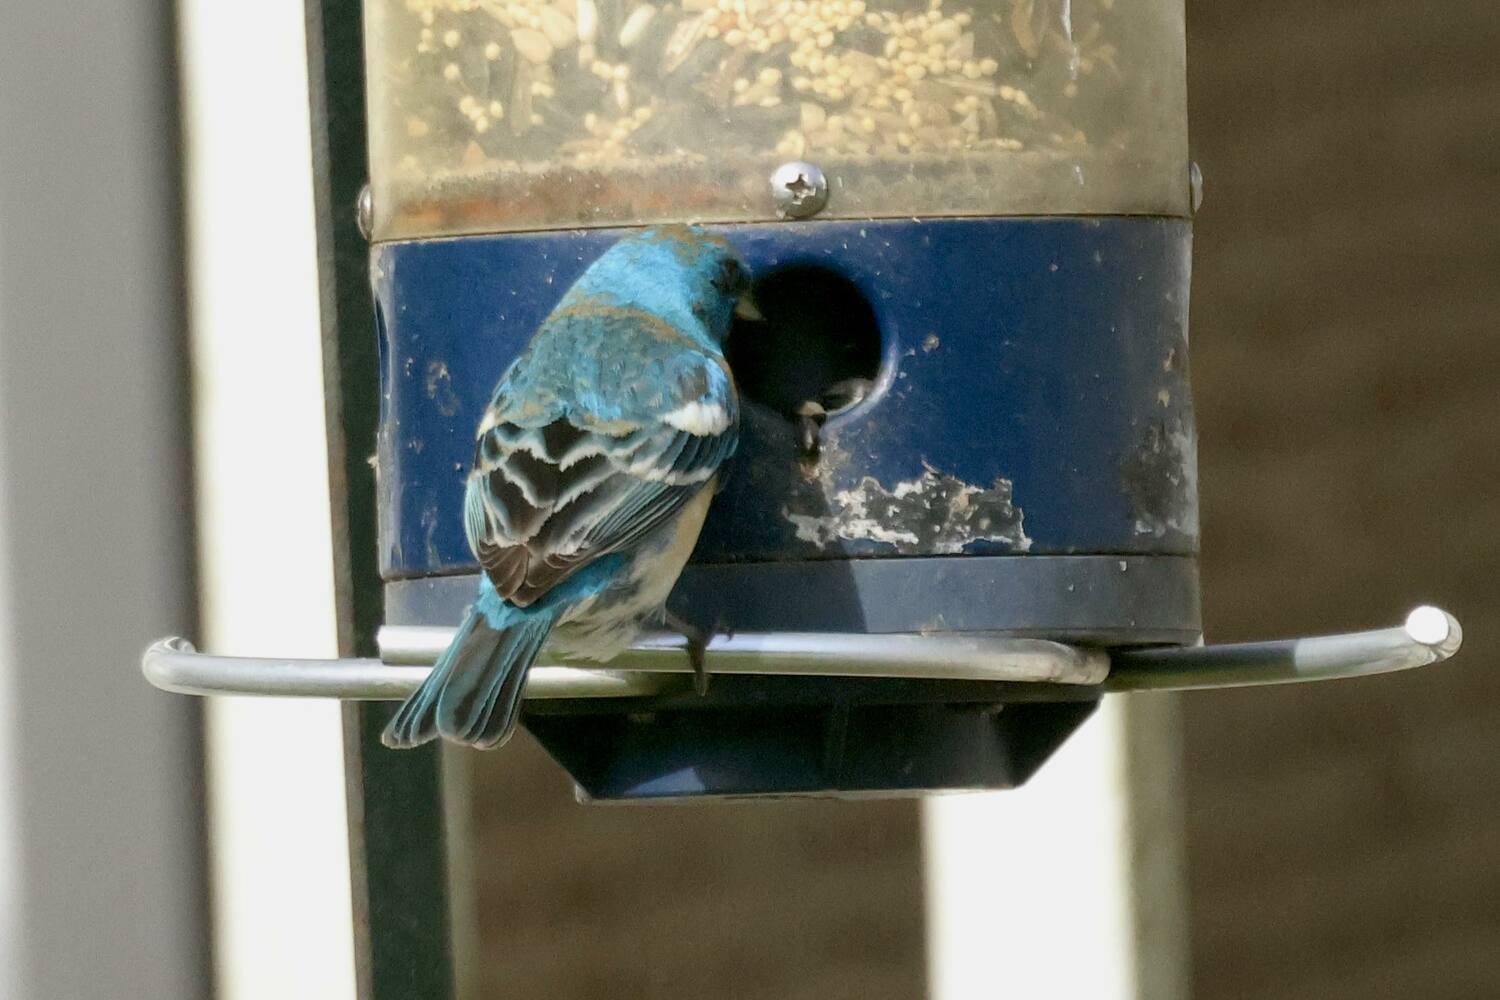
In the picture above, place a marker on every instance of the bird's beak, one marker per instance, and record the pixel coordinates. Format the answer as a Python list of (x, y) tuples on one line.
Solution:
[(746, 308)]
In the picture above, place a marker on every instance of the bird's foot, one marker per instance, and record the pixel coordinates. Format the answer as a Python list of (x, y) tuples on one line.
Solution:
[(697, 649), (810, 419), (812, 414)]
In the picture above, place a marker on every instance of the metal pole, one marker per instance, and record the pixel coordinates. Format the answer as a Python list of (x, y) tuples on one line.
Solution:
[(397, 850)]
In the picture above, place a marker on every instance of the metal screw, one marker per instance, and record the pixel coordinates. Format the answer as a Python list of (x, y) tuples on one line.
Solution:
[(364, 212), (799, 190), (1195, 186)]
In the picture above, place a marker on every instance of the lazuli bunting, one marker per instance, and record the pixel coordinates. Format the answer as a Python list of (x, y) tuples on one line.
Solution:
[(593, 472)]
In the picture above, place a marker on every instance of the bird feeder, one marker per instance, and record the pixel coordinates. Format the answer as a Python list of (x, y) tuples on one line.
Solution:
[(964, 504)]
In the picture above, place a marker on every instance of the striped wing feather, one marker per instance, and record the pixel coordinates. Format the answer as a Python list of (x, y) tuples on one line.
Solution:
[(547, 498)]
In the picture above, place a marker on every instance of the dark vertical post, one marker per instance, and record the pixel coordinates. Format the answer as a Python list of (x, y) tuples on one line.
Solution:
[(395, 799)]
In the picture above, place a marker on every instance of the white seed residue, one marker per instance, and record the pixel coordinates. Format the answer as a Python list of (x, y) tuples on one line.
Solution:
[(934, 514), (1180, 447)]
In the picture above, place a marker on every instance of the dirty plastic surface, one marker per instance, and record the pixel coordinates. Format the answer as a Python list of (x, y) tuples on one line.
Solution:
[(1032, 395), (501, 115)]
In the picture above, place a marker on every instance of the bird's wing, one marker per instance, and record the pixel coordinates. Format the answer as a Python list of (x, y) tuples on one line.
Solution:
[(558, 484)]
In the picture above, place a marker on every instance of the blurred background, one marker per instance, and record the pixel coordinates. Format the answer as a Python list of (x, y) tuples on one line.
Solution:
[(1340, 840), (1344, 839)]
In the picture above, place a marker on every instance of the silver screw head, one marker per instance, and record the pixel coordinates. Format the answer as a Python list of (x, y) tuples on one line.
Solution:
[(799, 190), (1195, 186), (364, 212)]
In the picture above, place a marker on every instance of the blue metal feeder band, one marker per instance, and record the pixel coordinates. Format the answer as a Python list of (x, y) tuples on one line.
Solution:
[(1031, 408)]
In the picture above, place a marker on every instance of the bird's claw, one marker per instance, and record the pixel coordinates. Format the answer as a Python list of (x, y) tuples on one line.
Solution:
[(697, 649), (810, 419), (812, 414)]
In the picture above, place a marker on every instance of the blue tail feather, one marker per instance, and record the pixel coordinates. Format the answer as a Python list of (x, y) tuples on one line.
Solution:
[(481, 703), (473, 694), (415, 723)]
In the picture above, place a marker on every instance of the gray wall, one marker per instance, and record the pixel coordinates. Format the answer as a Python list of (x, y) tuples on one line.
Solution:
[(102, 794)]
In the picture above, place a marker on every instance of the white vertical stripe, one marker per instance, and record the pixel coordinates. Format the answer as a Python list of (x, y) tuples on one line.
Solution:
[(1055, 889), (279, 841), (12, 901)]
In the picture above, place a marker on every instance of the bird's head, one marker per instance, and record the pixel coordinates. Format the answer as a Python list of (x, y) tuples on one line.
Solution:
[(686, 275)]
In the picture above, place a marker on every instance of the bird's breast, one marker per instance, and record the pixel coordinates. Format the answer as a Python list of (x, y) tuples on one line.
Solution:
[(603, 626)]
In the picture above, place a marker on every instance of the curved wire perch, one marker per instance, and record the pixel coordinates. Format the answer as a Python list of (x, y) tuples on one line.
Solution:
[(657, 663), (938, 656), (654, 665), (174, 665), (1429, 635)]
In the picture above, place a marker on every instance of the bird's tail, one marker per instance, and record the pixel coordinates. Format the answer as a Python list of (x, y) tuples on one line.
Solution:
[(473, 695)]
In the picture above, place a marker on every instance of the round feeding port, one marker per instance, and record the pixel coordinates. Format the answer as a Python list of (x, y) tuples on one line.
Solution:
[(816, 349)]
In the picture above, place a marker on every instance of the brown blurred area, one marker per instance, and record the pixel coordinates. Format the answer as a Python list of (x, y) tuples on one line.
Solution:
[(790, 900), (1344, 839)]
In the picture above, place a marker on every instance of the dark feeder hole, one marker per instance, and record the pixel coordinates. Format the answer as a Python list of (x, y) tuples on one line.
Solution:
[(815, 353)]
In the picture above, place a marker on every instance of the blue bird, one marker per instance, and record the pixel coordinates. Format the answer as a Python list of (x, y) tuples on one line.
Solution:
[(594, 468)]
